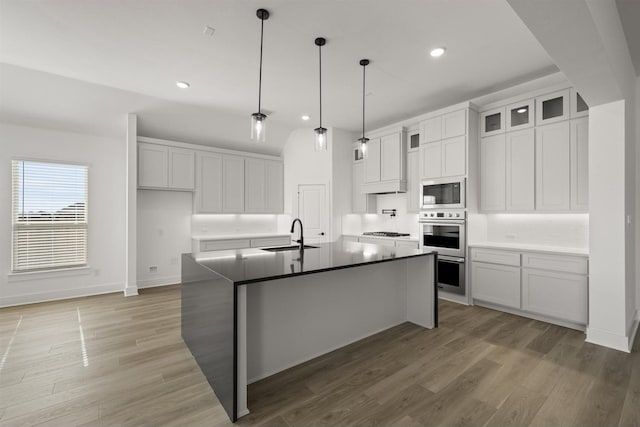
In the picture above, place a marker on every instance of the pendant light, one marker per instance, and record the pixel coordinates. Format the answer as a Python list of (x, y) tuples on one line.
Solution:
[(321, 133), (363, 140), (258, 119)]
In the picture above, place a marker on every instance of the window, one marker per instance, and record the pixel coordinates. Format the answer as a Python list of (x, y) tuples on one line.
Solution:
[(49, 215)]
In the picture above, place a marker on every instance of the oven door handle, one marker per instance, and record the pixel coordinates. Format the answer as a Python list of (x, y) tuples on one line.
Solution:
[(451, 259), (445, 222)]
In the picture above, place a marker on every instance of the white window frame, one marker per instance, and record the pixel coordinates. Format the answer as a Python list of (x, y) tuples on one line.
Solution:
[(17, 226)]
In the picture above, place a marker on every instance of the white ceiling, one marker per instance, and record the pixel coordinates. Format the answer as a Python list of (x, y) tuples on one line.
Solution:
[(144, 46)]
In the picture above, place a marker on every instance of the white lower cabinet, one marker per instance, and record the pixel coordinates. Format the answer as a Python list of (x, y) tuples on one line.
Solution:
[(555, 294), (546, 286), (499, 284), (399, 243), (381, 242)]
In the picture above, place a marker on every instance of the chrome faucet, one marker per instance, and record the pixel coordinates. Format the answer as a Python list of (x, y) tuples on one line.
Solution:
[(301, 241)]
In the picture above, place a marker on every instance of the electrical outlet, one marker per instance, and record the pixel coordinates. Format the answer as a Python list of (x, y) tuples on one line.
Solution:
[(153, 269)]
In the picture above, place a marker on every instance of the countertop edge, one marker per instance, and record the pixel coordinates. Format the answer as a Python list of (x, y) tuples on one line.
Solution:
[(412, 239), (239, 236), (533, 248)]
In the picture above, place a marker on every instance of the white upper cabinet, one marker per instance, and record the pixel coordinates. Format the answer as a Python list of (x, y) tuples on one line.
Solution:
[(580, 164), (153, 165), (391, 153), (454, 156), (492, 173), (552, 171), (413, 181), (163, 167), (520, 172), (520, 115), (208, 198), (274, 186), (579, 108), (431, 130), (254, 186), (431, 160), (492, 122), (360, 201), (372, 161), (552, 108), (181, 169), (233, 184), (454, 124)]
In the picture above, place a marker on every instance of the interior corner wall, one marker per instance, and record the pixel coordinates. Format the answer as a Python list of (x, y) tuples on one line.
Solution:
[(637, 197), (341, 143), (106, 159), (304, 165)]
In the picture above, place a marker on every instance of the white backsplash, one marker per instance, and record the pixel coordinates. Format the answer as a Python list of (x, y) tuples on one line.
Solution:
[(562, 230), (403, 222), (229, 224)]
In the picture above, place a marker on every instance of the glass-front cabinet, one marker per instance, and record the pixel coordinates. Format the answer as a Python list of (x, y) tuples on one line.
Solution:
[(553, 107), (520, 115), (492, 122)]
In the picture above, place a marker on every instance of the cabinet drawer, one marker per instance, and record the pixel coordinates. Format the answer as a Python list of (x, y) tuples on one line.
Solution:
[(218, 245), (495, 256), (270, 241), (381, 242), (498, 284), (405, 244), (564, 263), (559, 295)]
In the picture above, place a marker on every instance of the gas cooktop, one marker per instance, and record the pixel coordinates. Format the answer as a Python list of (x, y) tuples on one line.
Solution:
[(385, 234)]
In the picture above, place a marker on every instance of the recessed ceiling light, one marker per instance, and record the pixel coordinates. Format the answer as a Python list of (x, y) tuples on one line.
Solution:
[(183, 85), (522, 110), (305, 117), (439, 51)]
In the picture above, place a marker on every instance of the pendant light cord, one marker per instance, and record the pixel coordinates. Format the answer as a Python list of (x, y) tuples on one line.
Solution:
[(363, 89), (320, 74), (260, 76)]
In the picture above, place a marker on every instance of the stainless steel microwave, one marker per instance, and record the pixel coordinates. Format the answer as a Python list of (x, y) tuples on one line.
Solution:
[(444, 193)]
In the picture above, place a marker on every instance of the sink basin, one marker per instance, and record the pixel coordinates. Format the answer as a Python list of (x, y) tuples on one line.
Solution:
[(287, 248)]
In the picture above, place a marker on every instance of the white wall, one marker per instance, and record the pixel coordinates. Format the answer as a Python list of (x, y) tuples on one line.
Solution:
[(403, 222), (107, 242), (561, 230), (341, 143), (637, 196)]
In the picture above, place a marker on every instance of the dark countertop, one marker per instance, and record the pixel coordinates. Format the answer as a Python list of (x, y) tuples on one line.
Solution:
[(244, 266)]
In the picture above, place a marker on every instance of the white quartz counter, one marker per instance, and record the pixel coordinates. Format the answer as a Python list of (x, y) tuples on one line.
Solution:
[(238, 236), (523, 247), (403, 238)]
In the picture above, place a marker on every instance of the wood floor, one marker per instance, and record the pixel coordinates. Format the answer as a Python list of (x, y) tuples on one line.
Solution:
[(115, 361)]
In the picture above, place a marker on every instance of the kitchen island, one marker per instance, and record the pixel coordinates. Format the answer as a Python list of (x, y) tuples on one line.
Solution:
[(250, 313)]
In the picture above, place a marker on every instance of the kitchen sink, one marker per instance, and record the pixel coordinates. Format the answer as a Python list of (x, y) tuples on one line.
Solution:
[(287, 248)]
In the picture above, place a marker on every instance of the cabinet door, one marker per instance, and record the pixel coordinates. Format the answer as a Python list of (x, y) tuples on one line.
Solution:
[(520, 115), (552, 167), (233, 184), (390, 156), (360, 202), (492, 122), (153, 165), (520, 177), (431, 160), (182, 169), (559, 295), (498, 284), (372, 161), (209, 183), (454, 124), (580, 164), (492, 173), (413, 181), (454, 156), (552, 108), (373, 240), (431, 130), (254, 185), (274, 186), (579, 108)]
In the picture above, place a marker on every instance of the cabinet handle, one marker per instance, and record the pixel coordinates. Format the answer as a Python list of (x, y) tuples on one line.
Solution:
[(321, 234)]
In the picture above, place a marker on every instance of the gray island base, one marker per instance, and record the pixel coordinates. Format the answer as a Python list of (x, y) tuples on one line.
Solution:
[(249, 313)]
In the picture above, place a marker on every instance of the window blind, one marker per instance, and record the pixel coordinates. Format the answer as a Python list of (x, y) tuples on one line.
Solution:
[(49, 215)]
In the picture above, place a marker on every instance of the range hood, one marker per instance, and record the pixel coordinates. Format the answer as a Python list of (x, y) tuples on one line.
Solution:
[(385, 187)]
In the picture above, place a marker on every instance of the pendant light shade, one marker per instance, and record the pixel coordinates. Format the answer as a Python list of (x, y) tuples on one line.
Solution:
[(321, 133), (363, 140), (258, 120)]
